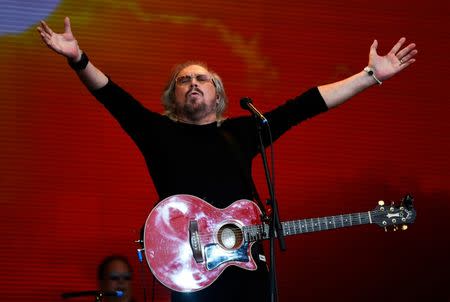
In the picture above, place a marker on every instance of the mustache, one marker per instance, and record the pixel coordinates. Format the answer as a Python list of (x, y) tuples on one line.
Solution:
[(194, 89)]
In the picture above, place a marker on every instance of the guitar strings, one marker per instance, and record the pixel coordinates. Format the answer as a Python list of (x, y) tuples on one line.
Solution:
[(299, 226)]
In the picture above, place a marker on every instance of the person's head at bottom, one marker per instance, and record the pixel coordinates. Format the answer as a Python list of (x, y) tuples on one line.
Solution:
[(114, 274)]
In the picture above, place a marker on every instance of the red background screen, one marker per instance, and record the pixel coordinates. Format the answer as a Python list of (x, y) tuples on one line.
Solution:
[(74, 187)]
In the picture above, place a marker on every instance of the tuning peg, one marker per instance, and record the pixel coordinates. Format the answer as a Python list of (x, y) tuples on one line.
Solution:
[(404, 227), (381, 203), (385, 229), (395, 228)]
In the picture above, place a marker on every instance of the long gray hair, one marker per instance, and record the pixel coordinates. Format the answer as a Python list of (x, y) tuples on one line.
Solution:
[(168, 95)]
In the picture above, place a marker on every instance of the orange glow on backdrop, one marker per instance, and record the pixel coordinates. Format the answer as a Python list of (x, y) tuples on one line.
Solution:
[(75, 188)]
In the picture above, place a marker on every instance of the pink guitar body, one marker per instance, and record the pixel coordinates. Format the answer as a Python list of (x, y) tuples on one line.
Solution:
[(188, 243)]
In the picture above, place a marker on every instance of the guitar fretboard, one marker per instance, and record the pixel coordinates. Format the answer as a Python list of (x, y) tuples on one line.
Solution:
[(293, 227)]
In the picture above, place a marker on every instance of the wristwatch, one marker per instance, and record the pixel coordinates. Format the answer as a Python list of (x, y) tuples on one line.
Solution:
[(371, 72)]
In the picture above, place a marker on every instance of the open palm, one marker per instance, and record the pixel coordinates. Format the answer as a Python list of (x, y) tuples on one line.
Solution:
[(394, 61), (64, 44)]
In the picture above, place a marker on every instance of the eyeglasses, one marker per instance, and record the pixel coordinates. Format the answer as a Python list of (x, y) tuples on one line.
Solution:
[(187, 79), (117, 276)]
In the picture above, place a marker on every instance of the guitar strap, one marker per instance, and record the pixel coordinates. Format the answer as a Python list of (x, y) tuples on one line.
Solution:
[(233, 147)]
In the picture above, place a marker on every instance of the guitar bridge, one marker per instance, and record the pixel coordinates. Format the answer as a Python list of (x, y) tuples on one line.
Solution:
[(194, 240)]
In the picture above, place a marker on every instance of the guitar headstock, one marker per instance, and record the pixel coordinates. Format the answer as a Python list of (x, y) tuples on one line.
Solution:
[(394, 215)]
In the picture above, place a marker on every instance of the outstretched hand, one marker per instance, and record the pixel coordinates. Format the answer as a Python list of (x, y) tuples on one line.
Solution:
[(395, 61), (64, 44)]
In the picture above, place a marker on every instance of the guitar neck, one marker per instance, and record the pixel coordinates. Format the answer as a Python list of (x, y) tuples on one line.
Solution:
[(309, 225)]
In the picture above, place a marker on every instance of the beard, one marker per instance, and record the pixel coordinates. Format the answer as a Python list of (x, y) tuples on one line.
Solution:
[(195, 110)]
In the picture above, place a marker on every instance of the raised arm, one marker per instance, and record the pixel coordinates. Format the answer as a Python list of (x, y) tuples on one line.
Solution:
[(66, 45), (380, 69)]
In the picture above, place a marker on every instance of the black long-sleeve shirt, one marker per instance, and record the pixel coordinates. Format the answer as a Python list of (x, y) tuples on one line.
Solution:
[(198, 159), (209, 161)]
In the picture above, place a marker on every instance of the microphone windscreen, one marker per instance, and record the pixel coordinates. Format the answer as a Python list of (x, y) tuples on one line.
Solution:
[(244, 102)]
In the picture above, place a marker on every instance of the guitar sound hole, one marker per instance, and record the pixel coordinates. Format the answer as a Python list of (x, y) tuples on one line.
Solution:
[(230, 236)]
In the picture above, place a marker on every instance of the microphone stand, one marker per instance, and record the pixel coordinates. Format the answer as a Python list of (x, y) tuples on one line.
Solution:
[(275, 229)]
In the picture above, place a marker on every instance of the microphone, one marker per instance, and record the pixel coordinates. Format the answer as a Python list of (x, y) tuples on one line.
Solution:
[(247, 104), (116, 293)]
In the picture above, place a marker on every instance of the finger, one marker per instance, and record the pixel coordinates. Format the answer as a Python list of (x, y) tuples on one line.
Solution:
[(67, 27), (405, 50), (373, 48), (46, 28), (45, 40), (408, 57), (406, 64), (45, 37), (397, 45)]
